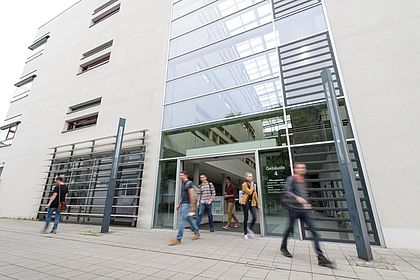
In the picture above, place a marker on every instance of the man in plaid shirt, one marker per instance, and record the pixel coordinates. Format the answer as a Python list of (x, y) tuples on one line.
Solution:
[(206, 194)]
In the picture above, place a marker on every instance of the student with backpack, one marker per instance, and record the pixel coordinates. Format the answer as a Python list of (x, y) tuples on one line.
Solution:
[(206, 194)]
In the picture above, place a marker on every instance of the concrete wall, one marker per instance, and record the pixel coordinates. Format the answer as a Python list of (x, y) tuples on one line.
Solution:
[(378, 45), (131, 86)]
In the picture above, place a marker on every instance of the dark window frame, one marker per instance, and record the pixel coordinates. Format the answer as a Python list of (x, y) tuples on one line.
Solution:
[(82, 122), (103, 6), (39, 42), (108, 13), (85, 105), (94, 63)]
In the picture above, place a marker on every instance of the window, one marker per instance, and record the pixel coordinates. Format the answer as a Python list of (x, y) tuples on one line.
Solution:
[(39, 42), (97, 49), (8, 133), (107, 4), (82, 122), (11, 132), (105, 15), (85, 105), (95, 63), (24, 86)]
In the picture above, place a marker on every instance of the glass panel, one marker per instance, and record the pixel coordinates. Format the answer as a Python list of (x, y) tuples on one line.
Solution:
[(165, 196), (186, 6), (275, 167), (243, 45), (208, 14), (245, 100), (229, 26), (237, 134), (247, 70), (300, 25), (310, 123)]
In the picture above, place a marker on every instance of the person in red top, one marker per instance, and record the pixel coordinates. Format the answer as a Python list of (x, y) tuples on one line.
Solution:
[(230, 200)]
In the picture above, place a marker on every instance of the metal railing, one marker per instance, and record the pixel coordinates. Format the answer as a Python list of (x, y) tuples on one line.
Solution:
[(86, 166)]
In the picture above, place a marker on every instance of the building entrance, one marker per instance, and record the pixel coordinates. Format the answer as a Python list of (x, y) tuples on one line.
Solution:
[(217, 170)]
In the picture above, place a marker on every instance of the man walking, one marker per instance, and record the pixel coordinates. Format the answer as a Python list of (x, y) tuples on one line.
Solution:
[(59, 195), (230, 200), (186, 208), (206, 194), (296, 197)]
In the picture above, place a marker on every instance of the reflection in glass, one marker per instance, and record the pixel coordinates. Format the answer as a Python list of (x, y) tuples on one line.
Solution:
[(269, 131), (208, 14), (254, 98), (310, 123), (229, 26), (275, 168), (183, 7), (301, 25), (165, 195), (245, 44), (250, 69)]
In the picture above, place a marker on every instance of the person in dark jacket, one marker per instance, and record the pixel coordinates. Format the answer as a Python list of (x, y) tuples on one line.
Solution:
[(59, 195), (299, 208)]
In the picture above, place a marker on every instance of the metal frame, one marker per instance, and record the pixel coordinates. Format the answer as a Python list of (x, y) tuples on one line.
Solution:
[(66, 158)]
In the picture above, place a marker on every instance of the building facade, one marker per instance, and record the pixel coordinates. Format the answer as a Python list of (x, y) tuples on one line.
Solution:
[(220, 87)]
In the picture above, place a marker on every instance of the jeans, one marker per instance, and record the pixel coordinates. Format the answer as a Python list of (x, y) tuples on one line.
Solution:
[(230, 206), (246, 208), (183, 215), (56, 219), (201, 208), (305, 217)]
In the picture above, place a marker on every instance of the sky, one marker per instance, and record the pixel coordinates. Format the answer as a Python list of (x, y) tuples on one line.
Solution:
[(19, 22)]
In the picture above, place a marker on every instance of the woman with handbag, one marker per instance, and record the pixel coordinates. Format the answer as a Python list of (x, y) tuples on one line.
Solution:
[(57, 203), (249, 203)]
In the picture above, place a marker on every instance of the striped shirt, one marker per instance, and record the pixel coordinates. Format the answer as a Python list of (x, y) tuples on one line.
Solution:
[(206, 192)]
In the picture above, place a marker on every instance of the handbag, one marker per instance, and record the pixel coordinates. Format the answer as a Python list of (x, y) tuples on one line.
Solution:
[(61, 205)]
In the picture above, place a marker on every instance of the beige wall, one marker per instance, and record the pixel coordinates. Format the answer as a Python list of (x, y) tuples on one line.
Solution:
[(131, 86), (378, 45)]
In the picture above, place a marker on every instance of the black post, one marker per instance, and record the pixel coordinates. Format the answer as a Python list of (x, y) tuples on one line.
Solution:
[(357, 218), (106, 219)]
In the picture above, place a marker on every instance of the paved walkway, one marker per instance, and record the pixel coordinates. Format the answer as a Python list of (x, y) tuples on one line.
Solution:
[(80, 252)]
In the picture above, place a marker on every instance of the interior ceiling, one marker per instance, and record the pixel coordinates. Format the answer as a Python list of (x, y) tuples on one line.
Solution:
[(215, 167)]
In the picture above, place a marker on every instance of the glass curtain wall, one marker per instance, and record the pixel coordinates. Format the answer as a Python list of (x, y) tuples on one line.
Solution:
[(245, 75)]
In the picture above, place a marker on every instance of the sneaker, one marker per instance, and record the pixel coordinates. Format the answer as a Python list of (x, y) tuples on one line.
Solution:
[(286, 252), (246, 237), (323, 261), (236, 225), (227, 227), (211, 229), (174, 242), (44, 231), (251, 233), (196, 236), (54, 231)]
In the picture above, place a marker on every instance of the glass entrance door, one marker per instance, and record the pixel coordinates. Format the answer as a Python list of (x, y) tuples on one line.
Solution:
[(274, 169)]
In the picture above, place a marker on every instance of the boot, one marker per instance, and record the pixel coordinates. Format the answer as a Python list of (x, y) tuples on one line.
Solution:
[(323, 261), (285, 252)]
